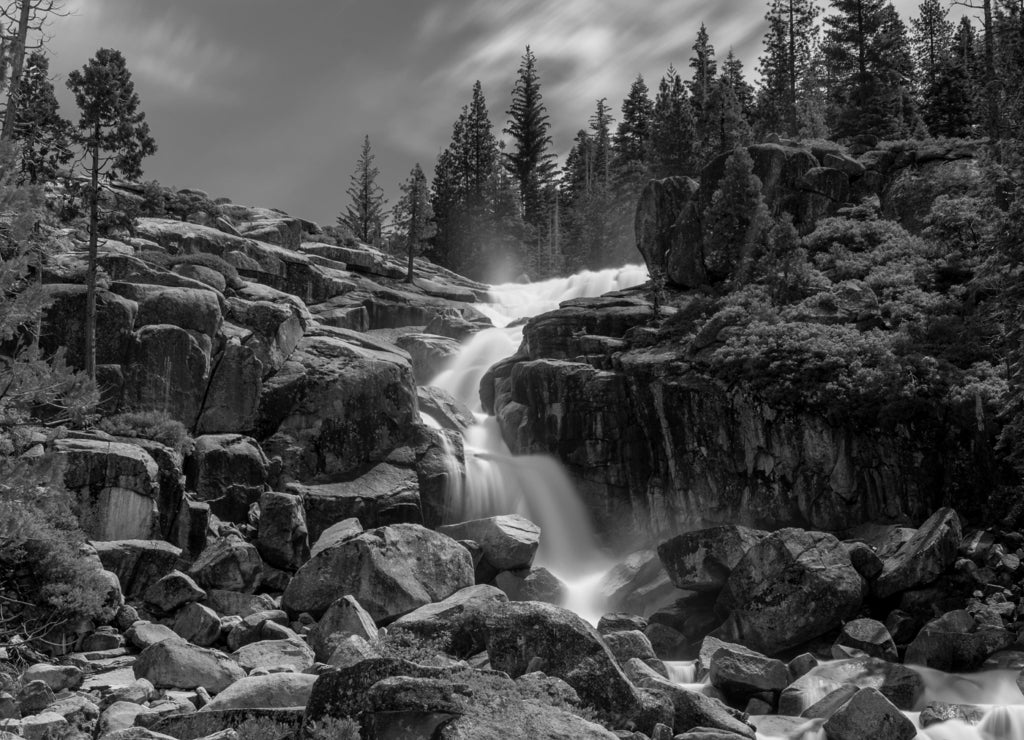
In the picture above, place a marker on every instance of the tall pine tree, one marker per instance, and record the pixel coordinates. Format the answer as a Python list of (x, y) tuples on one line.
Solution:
[(365, 214), (870, 68), (673, 147), (701, 86), (786, 62), (414, 218), (44, 135), (531, 162)]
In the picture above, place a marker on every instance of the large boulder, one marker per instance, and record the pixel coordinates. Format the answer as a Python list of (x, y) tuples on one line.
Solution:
[(229, 472), (117, 486), (958, 642), (509, 542), (899, 684), (233, 394), (230, 564), (345, 617), (527, 636), (173, 591), (138, 564), (704, 559), (660, 204), (283, 540), (190, 309), (390, 571), (63, 324), (867, 636), (340, 403), (274, 690), (742, 673), (921, 560), (198, 624), (166, 369), (430, 354), (276, 323), (385, 494), (869, 715), (791, 587), (290, 654), (173, 664), (458, 620)]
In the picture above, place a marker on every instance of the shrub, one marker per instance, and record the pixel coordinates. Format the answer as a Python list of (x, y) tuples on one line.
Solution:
[(262, 728), (414, 648), (332, 728), (154, 425)]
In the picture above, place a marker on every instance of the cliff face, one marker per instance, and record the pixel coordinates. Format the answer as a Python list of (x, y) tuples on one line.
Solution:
[(659, 443), (656, 447)]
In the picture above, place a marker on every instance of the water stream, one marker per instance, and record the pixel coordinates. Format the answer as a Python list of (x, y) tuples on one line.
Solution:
[(536, 486)]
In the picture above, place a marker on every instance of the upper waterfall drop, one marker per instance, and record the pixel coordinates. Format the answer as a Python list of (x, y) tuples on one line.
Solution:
[(536, 486)]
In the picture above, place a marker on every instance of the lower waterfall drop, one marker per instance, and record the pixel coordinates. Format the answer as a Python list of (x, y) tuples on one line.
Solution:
[(535, 486)]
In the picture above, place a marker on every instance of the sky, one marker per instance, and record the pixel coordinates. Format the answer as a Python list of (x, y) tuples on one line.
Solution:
[(269, 106)]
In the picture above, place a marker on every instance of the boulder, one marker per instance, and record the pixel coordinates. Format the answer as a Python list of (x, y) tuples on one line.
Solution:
[(445, 409), (228, 563), (386, 494), (343, 618), (534, 584), (229, 472), (869, 714), (509, 542), (921, 560), (430, 354), (117, 486), (234, 603), (138, 564), (167, 369), (291, 654), (638, 584), (142, 634), (198, 624), (791, 587), (620, 622), (173, 591), (233, 394), (938, 711), (189, 309), (658, 209), (264, 625), (743, 673), (703, 560), (57, 677), (458, 620), (899, 684), (173, 664), (335, 534), (276, 324), (274, 690), (339, 404), (351, 650), (390, 571), (629, 644), (527, 636), (120, 715), (868, 636), (692, 709), (63, 324), (283, 539), (957, 641)]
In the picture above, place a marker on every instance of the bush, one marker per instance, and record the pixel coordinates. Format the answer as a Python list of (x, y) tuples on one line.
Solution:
[(153, 425), (262, 728), (414, 648), (334, 728)]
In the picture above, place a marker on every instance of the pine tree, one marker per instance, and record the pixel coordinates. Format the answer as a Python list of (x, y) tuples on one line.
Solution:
[(115, 137), (530, 161), (365, 214), (414, 217), (870, 68), (44, 135), (727, 126), (788, 54), (633, 135), (1008, 22), (734, 76), (931, 40), (701, 86), (673, 148), (735, 221)]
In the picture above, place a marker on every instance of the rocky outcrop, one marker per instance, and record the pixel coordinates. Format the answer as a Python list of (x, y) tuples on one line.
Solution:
[(657, 447)]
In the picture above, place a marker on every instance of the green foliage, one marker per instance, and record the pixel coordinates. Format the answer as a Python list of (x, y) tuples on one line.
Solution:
[(365, 214), (264, 728), (42, 133), (332, 728), (153, 425), (405, 645), (736, 220), (414, 217)]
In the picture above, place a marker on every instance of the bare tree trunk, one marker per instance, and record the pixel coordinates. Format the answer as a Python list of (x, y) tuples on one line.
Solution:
[(17, 65), (90, 275)]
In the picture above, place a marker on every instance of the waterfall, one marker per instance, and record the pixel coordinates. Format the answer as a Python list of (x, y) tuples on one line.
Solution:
[(536, 486)]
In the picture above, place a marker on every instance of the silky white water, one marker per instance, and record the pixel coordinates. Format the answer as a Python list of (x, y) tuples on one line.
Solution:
[(535, 486)]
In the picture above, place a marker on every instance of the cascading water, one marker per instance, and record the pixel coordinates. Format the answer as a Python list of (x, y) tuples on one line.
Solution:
[(535, 486)]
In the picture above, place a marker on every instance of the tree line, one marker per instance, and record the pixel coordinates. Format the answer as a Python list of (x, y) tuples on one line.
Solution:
[(852, 68)]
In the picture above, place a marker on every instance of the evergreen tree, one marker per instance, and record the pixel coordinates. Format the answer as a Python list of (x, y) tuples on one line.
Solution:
[(44, 135), (414, 217), (673, 129), (870, 68), (115, 137), (734, 77), (788, 54), (1008, 27), (948, 101), (727, 126), (701, 86), (932, 44), (530, 161), (735, 222), (633, 135), (365, 214)]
